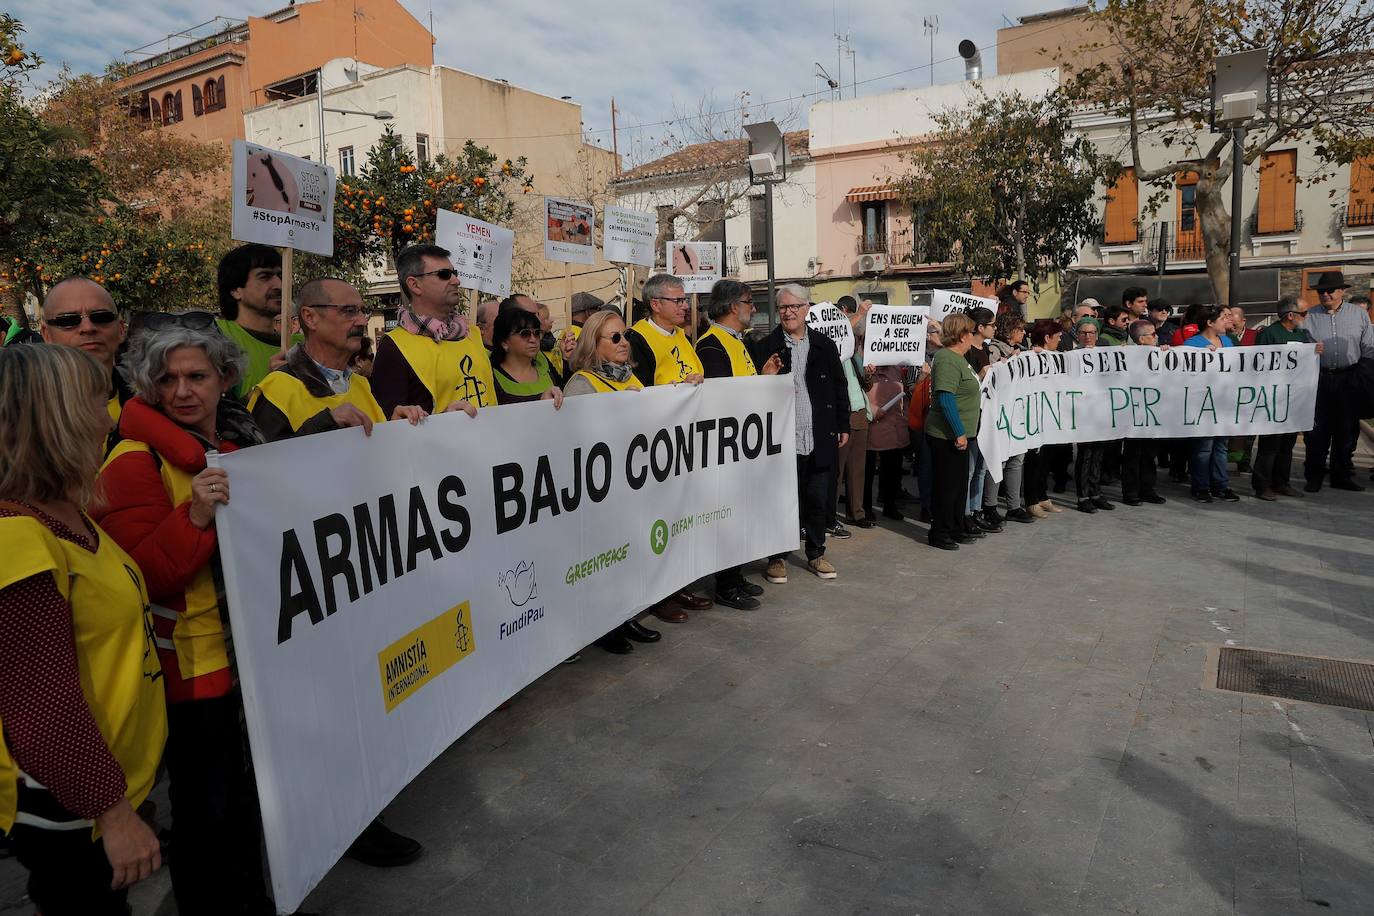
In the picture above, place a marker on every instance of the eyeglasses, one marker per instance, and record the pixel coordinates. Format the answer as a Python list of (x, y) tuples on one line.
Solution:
[(443, 273), (193, 320), (677, 300), (614, 337), (793, 307), (528, 333), (68, 321), (349, 312)]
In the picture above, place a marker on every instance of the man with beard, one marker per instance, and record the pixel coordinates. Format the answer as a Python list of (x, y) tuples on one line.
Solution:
[(316, 390), (79, 313), (249, 284)]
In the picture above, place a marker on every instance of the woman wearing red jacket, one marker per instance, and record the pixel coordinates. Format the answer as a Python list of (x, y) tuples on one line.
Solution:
[(161, 509)]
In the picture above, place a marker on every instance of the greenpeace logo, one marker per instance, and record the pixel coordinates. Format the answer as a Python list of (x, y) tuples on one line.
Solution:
[(590, 567)]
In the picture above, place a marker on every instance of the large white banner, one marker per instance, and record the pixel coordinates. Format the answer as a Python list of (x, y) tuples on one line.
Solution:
[(1105, 393), (281, 200), (386, 593), (895, 335)]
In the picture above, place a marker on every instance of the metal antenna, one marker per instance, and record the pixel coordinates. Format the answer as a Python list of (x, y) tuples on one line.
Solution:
[(931, 26)]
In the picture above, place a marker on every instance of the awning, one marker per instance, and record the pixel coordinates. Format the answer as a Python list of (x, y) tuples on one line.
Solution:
[(871, 192)]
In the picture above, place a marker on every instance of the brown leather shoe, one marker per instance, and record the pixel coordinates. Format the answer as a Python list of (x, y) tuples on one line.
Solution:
[(1286, 490), (665, 611), (692, 602), (1268, 496)]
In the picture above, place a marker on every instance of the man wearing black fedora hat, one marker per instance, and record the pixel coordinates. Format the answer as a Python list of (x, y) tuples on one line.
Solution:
[(1347, 337)]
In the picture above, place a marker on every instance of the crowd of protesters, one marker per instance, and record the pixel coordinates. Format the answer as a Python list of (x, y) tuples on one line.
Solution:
[(115, 660)]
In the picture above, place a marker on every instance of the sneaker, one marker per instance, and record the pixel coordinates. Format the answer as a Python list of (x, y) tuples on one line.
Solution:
[(776, 571), (822, 568), (1230, 496), (1021, 515), (838, 532), (1202, 496)]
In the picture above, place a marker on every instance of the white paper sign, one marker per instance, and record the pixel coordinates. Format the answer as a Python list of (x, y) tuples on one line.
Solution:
[(895, 335), (944, 302), (481, 252), (1105, 393), (282, 200), (831, 321), (569, 231), (387, 601), (628, 235), (696, 264)]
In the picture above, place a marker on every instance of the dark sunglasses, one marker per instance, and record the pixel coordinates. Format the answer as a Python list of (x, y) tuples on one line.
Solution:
[(193, 320), (614, 337), (68, 321), (443, 273), (528, 333)]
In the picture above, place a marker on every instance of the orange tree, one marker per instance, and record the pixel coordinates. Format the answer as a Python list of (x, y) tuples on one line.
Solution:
[(394, 200)]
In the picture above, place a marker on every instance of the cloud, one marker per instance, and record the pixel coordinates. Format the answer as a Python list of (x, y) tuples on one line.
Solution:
[(658, 61)]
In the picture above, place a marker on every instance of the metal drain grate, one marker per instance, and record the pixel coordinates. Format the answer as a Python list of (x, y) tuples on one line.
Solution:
[(1328, 681)]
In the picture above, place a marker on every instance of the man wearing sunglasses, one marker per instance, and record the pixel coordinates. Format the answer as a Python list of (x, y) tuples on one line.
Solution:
[(249, 283), (79, 313), (434, 358), (317, 390)]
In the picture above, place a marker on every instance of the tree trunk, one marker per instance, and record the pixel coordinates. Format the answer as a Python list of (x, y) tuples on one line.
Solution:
[(1215, 222)]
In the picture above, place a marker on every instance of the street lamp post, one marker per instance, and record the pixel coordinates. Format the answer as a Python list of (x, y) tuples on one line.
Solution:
[(1240, 88), (768, 161)]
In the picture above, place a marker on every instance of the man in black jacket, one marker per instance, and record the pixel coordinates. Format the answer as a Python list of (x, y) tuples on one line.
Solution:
[(822, 419)]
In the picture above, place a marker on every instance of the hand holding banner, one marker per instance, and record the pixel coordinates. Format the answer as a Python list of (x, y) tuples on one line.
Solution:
[(944, 302), (831, 321), (481, 252), (895, 335), (282, 200)]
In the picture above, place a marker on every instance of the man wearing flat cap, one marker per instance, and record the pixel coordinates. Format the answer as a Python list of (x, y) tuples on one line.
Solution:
[(1347, 337)]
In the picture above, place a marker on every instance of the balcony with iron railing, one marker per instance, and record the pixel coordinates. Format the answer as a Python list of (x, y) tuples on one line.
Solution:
[(875, 243), (1187, 247), (1357, 216), (755, 253), (1293, 227)]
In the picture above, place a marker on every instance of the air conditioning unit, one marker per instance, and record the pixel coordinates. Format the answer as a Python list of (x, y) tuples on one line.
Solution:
[(872, 263)]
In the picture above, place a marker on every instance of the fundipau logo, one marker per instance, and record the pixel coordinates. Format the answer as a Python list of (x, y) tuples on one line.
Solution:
[(519, 583)]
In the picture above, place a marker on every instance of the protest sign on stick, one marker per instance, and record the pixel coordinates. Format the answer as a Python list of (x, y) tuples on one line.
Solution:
[(831, 321), (944, 302), (895, 335), (628, 236), (481, 252), (696, 264), (569, 231)]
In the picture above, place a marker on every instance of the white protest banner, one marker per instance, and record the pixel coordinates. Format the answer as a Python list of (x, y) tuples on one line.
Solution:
[(831, 321), (1104, 393), (411, 582), (944, 302), (697, 264), (569, 230), (628, 235), (895, 335), (282, 200), (481, 251)]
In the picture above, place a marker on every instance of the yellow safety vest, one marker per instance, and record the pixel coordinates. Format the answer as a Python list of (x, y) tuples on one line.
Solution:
[(603, 384), (452, 370), (198, 632), (741, 363), (674, 356), (114, 409), (289, 395), (115, 653)]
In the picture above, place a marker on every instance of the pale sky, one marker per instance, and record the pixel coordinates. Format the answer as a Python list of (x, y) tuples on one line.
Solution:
[(658, 64)]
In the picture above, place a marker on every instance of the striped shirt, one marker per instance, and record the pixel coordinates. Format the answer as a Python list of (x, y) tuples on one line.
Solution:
[(1347, 334), (801, 349)]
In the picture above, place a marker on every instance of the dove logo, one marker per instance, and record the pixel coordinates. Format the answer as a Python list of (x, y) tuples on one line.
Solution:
[(519, 583)]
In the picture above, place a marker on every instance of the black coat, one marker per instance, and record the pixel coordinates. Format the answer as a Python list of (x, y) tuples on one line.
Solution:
[(825, 384)]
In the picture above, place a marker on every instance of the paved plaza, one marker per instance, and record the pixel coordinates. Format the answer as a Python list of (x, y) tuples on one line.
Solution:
[(1015, 728)]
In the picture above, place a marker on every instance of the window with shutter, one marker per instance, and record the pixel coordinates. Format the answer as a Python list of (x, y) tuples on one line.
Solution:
[(1123, 205), (1278, 192), (180, 116), (1360, 212), (197, 105)]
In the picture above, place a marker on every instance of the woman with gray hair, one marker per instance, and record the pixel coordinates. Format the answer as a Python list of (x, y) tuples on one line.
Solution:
[(160, 508)]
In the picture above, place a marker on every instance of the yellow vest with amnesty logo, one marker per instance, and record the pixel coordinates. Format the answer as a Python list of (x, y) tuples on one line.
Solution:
[(289, 395), (115, 653), (741, 363), (603, 384), (674, 356), (198, 632), (452, 370)]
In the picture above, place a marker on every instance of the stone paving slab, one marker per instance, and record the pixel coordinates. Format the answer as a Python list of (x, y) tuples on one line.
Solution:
[(1016, 728)]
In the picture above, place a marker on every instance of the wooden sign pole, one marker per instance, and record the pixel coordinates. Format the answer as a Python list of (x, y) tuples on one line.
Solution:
[(696, 303), (567, 276), (287, 284), (628, 305)]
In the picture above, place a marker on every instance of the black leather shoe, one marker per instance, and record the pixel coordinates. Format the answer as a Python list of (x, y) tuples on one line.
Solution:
[(965, 538), (1230, 496), (1350, 485), (614, 643), (990, 523), (943, 545), (1019, 514), (1086, 505), (750, 589), (737, 599), (1102, 503), (1203, 497), (1312, 486), (1154, 499), (382, 847), (1131, 501), (633, 629)]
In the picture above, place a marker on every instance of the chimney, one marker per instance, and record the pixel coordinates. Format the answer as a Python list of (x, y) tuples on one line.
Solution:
[(973, 61)]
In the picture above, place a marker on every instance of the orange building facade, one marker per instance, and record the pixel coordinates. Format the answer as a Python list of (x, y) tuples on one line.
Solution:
[(201, 88)]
